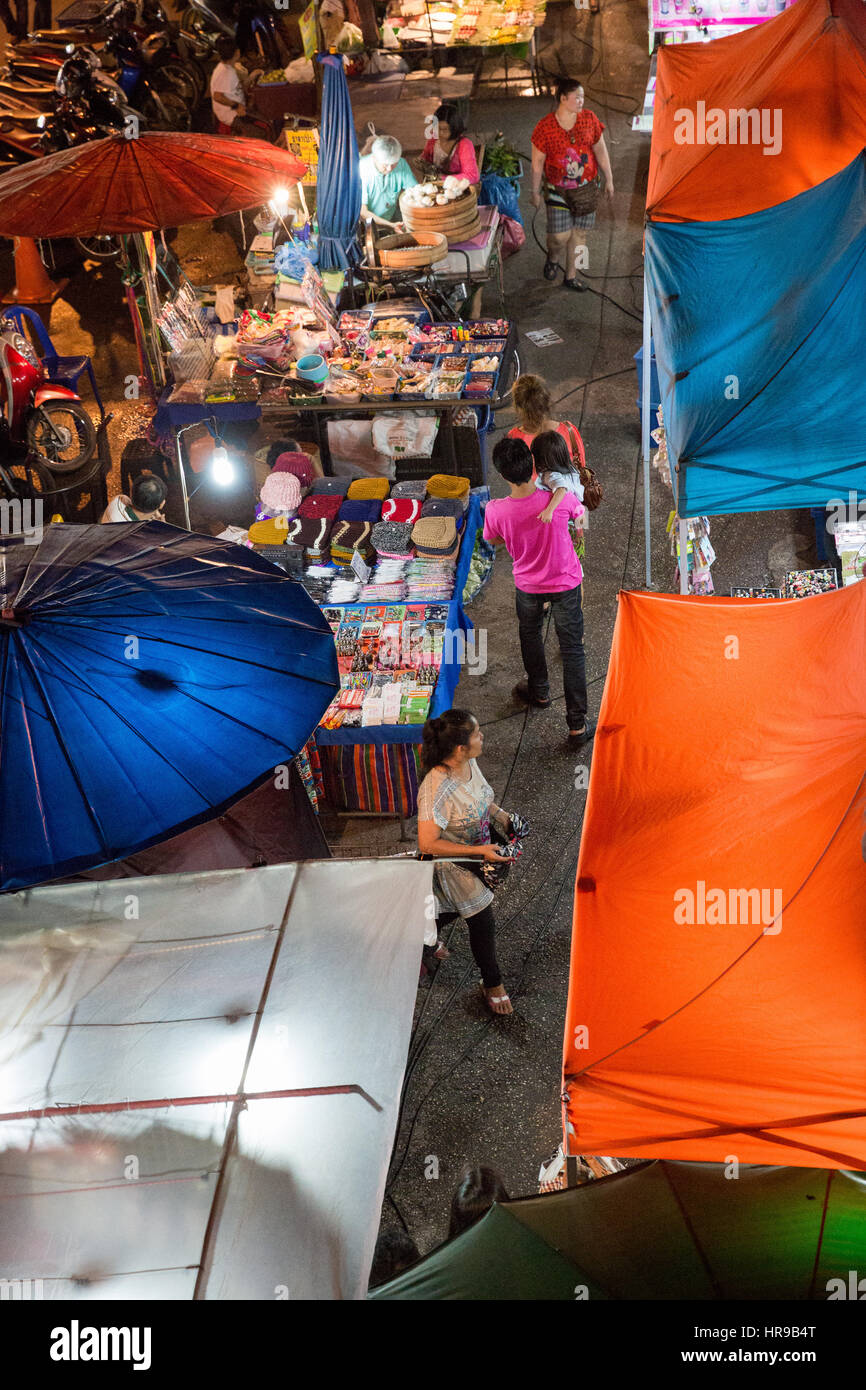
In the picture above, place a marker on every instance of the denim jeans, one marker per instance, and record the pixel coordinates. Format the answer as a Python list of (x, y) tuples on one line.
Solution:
[(568, 621)]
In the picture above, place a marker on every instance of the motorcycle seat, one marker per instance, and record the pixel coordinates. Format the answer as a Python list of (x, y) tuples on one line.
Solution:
[(55, 38)]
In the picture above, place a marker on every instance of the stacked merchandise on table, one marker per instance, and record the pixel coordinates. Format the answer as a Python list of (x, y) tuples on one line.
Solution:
[(362, 542), (408, 359), (389, 659), (798, 584)]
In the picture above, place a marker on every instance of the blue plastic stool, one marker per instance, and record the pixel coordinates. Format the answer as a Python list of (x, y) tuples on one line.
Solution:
[(63, 371)]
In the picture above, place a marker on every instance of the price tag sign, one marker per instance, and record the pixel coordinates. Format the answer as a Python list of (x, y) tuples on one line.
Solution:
[(360, 567)]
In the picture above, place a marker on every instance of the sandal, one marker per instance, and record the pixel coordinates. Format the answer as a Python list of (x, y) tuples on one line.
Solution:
[(574, 284), (551, 269), (498, 998)]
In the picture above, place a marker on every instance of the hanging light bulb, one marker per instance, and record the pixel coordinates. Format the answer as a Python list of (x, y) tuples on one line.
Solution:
[(279, 203), (222, 468)]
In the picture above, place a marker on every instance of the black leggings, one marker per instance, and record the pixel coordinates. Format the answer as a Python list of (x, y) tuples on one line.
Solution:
[(482, 942)]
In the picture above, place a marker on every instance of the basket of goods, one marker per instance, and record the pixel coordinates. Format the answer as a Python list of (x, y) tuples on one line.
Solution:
[(449, 207), (417, 247)]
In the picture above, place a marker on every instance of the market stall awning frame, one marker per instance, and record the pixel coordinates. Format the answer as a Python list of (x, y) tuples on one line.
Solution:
[(762, 393)]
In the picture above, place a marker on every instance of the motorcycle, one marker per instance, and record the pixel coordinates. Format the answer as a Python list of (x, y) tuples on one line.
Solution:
[(251, 23), (49, 420), (163, 102)]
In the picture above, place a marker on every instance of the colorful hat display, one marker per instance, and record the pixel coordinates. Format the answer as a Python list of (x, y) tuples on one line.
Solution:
[(281, 492)]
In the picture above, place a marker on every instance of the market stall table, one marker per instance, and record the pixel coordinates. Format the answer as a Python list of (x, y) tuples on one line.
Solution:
[(374, 769)]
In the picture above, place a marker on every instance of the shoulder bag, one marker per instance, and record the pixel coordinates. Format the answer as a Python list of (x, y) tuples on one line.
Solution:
[(593, 492)]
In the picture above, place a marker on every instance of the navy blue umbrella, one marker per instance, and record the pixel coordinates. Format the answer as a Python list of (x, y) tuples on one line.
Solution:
[(338, 205), (148, 679)]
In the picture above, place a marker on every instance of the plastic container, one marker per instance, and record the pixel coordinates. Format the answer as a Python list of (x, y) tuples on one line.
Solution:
[(312, 368)]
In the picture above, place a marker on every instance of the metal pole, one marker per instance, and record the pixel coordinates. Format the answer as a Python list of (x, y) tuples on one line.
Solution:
[(684, 556), (178, 444), (645, 423)]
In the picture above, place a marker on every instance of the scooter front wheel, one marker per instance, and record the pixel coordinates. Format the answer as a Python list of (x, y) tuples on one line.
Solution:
[(62, 435)]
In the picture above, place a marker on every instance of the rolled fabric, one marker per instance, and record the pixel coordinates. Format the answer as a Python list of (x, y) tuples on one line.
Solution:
[(392, 538), (412, 487), (281, 492), (299, 464), (370, 487), (443, 506), (330, 487), (402, 509), (446, 485), (435, 535), (355, 509), (273, 532), (315, 505)]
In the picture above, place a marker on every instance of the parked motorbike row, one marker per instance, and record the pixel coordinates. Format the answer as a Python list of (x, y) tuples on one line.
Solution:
[(66, 85), (69, 85)]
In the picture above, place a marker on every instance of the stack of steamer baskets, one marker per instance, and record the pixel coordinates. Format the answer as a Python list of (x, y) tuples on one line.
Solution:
[(406, 250), (456, 219)]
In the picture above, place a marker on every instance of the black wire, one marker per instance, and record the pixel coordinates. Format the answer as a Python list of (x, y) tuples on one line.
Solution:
[(600, 293)]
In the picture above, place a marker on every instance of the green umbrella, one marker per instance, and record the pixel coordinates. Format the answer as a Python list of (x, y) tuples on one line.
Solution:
[(663, 1230)]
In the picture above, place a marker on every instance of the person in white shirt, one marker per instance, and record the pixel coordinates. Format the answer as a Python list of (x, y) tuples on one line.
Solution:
[(226, 87), (147, 502)]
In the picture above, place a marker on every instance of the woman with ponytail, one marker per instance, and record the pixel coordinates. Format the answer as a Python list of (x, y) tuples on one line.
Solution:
[(455, 808)]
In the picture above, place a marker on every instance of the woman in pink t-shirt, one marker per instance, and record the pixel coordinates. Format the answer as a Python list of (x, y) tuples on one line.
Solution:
[(450, 151)]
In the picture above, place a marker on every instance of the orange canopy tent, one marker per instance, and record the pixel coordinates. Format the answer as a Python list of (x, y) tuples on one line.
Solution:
[(717, 1001), (808, 64)]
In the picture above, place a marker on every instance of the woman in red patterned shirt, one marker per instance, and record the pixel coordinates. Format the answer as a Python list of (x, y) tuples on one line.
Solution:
[(568, 150)]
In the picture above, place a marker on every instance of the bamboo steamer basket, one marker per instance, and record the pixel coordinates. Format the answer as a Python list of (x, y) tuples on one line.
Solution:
[(448, 218), (409, 249)]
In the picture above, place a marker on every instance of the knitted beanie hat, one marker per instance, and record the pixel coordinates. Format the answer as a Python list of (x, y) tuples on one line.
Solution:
[(317, 504), (434, 534), (269, 532), (446, 485), (281, 492), (331, 487), (412, 487), (401, 509), (299, 464), (392, 538), (370, 487), (356, 509), (443, 506)]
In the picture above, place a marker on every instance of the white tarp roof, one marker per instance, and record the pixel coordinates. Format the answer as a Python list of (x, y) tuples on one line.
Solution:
[(204, 987)]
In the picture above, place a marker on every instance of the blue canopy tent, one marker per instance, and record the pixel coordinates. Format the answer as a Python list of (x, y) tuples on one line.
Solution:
[(760, 340), (339, 180), (149, 678)]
